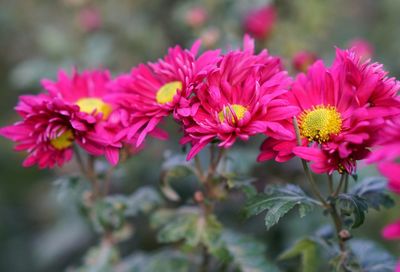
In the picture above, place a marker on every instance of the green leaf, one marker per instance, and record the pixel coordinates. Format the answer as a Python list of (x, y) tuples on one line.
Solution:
[(144, 199), (192, 227), (352, 208), (278, 200), (374, 191), (241, 182), (372, 257), (101, 258), (307, 249), (165, 261), (247, 253)]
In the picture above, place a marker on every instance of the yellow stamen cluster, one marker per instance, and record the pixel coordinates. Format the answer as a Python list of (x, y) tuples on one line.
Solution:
[(63, 141), (319, 123), (91, 104), (239, 111), (167, 92)]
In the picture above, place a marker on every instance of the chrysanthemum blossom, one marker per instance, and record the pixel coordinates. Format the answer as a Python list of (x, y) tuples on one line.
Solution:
[(151, 92), (342, 107), (260, 22), (240, 98), (71, 112)]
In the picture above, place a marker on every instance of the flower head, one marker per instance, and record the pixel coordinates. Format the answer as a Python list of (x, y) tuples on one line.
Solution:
[(71, 112), (241, 97), (341, 109), (260, 22), (153, 91)]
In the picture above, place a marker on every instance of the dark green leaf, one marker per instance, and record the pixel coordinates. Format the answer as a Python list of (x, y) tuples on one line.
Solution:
[(307, 249), (241, 182), (277, 201), (374, 191), (352, 208)]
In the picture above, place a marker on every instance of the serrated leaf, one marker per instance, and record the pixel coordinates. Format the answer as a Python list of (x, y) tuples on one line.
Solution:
[(277, 201), (247, 253), (374, 191), (307, 249), (192, 227), (352, 207), (372, 257)]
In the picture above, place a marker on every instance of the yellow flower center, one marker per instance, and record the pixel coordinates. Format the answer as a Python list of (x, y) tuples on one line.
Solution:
[(90, 104), (63, 141), (167, 92), (239, 111), (319, 123)]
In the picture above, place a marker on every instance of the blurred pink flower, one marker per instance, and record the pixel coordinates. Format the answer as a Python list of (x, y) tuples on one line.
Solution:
[(89, 19), (260, 22), (388, 153), (196, 16), (362, 47), (151, 92), (210, 37), (302, 60), (392, 231), (238, 99), (342, 107)]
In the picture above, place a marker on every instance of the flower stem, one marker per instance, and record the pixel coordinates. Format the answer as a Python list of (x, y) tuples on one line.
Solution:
[(307, 170), (328, 206)]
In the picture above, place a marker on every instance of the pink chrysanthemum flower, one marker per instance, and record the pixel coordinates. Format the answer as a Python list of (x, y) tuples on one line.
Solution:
[(342, 107), (238, 99), (72, 111), (153, 91)]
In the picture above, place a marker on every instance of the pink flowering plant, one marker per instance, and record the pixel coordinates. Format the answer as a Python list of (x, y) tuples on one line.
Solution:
[(327, 120)]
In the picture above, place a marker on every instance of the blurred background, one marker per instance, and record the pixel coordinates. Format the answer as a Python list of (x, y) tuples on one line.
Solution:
[(40, 227)]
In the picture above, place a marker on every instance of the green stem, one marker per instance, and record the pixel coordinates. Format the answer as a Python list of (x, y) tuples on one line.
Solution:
[(329, 206), (313, 185)]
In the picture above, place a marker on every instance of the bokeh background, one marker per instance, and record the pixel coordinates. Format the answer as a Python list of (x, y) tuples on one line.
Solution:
[(40, 227)]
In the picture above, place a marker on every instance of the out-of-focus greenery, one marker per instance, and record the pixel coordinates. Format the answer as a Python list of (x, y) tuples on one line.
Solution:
[(40, 229)]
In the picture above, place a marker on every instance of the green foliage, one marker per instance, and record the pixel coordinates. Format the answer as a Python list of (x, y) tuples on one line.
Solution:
[(241, 182), (352, 208), (189, 225), (247, 253), (277, 201), (374, 191), (110, 212), (165, 261), (369, 193), (101, 258), (306, 248)]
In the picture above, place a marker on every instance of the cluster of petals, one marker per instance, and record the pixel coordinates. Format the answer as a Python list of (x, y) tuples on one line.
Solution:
[(71, 111), (342, 107), (153, 91), (240, 97)]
